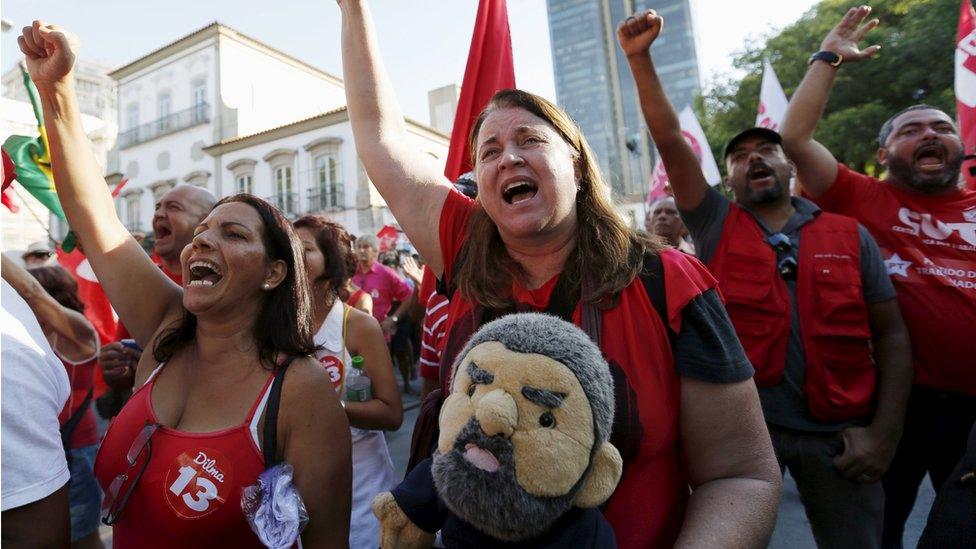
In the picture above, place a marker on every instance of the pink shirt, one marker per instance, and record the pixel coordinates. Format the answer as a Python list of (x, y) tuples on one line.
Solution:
[(384, 285)]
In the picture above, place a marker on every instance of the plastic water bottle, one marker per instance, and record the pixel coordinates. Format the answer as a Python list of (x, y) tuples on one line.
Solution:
[(358, 386)]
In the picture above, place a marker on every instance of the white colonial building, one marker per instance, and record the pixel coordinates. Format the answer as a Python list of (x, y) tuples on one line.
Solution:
[(310, 166), (225, 111)]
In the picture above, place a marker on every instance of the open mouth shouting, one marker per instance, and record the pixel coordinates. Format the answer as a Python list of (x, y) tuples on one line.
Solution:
[(931, 157), (519, 191), (760, 174), (204, 273), (162, 230)]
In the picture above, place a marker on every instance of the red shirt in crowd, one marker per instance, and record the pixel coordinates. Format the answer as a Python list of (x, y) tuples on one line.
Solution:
[(435, 326), (929, 247), (82, 378)]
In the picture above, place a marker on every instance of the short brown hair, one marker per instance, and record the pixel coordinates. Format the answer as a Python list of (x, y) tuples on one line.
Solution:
[(608, 252)]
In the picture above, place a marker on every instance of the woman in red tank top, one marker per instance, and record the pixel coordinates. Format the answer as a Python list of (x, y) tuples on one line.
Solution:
[(174, 461)]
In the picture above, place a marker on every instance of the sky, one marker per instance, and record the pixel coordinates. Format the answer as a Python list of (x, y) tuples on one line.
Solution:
[(424, 42)]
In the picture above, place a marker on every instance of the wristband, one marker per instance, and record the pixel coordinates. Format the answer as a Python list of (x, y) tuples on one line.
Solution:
[(829, 57)]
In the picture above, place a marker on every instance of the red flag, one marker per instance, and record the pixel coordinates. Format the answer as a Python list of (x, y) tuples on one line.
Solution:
[(8, 178), (97, 308), (966, 84), (387, 238), (490, 68)]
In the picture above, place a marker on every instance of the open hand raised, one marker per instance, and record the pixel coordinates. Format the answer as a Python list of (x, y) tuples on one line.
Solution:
[(843, 38), (50, 52), (638, 32)]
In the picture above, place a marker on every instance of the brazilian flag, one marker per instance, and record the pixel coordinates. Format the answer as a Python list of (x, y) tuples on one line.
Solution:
[(31, 158)]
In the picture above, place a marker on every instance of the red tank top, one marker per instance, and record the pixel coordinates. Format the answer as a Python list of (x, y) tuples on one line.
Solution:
[(190, 493), (82, 376)]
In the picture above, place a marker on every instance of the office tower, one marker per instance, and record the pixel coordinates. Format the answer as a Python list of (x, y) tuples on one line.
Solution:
[(593, 82)]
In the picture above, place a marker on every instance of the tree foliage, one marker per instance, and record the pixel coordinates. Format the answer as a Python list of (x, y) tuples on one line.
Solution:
[(915, 65)]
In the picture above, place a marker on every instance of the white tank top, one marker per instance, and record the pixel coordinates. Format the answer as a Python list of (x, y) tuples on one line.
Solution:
[(372, 468)]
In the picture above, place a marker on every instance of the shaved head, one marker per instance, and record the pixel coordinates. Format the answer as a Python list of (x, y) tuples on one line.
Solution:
[(178, 211)]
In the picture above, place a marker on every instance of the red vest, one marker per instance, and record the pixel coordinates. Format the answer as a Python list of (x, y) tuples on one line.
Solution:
[(840, 372)]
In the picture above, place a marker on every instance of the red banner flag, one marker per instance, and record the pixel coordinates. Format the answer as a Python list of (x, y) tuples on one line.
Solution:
[(387, 238), (490, 68), (97, 308), (8, 178), (966, 85)]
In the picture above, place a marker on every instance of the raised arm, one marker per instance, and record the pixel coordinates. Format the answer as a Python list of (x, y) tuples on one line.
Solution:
[(138, 290), (409, 181), (816, 168), (71, 325), (635, 35)]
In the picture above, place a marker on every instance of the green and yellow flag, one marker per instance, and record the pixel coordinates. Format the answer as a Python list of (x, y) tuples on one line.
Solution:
[(32, 158)]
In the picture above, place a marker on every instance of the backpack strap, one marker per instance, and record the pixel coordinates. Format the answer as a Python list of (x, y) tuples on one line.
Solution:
[(652, 275), (270, 449)]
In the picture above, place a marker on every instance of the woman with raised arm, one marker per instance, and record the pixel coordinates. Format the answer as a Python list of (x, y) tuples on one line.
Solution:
[(52, 295), (175, 460), (341, 333), (543, 235)]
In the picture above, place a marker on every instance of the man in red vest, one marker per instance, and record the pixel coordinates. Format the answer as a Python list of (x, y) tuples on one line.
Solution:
[(925, 223), (810, 300)]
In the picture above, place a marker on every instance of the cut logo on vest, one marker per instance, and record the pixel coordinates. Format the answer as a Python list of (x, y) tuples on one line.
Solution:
[(198, 482), (335, 368)]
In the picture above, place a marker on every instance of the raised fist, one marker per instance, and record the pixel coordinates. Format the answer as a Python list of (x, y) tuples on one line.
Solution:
[(638, 32), (50, 53)]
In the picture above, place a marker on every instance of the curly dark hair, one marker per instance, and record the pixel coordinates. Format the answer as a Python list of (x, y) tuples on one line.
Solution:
[(59, 283), (284, 324), (336, 245)]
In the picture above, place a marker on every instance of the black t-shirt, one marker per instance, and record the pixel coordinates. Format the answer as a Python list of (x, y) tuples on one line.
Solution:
[(418, 498)]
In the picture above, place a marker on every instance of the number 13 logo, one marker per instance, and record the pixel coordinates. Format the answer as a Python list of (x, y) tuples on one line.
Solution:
[(193, 486), (199, 501)]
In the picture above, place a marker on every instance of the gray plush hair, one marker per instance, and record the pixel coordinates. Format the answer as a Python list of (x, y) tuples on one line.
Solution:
[(563, 342)]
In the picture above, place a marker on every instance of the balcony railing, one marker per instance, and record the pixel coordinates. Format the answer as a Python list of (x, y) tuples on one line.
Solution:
[(197, 114), (326, 198), (286, 202)]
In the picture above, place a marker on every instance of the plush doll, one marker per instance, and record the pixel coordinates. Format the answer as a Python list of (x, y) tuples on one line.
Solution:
[(523, 457)]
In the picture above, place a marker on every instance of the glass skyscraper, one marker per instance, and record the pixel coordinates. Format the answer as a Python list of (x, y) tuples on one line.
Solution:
[(593, 81)]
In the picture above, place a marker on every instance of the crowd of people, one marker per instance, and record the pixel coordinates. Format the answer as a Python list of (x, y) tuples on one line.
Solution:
[(736, 354)]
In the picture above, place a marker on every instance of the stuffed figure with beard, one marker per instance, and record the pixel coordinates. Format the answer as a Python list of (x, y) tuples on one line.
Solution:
[(523, 457)]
